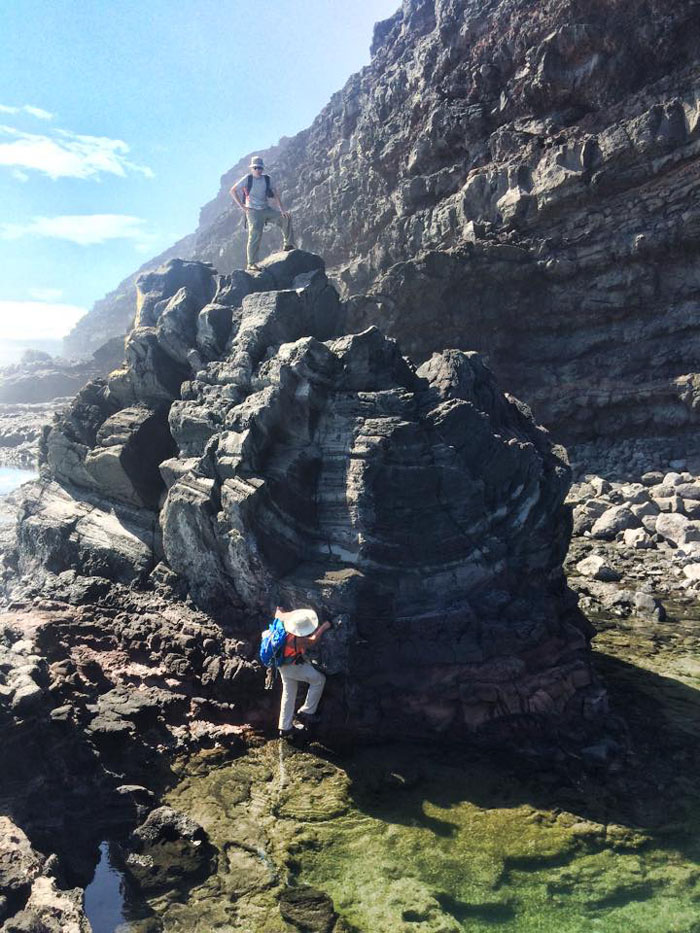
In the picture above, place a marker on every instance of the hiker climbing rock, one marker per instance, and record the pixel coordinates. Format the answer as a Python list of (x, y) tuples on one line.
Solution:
[(252, 193), (283, 647)]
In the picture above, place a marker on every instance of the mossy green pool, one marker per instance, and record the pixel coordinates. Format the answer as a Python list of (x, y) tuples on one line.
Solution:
[(411, 839)]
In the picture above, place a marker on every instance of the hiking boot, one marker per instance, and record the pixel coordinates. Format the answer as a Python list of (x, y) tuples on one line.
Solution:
[(288, 247), (306, 719), (253, 267)]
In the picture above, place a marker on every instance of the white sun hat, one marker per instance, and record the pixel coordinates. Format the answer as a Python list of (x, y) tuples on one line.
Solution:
[(301, 622)]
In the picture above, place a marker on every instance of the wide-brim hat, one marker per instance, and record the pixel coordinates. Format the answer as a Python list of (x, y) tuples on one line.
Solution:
[(257, 162), (301, 622)]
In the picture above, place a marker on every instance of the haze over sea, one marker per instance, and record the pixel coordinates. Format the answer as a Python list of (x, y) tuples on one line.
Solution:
[(11, 351)]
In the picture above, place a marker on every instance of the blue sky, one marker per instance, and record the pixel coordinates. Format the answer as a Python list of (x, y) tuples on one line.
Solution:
[(118, 118)]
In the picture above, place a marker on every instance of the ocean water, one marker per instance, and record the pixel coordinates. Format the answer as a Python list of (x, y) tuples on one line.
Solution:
[(11, 350), (11, 478)]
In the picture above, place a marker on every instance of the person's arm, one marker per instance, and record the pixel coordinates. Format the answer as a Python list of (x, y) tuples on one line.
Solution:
[(277, 201), (234, 194), (308, 641)]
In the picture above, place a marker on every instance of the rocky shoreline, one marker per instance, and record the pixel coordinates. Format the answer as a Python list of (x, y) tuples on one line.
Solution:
[(116, 678), (509, 734)]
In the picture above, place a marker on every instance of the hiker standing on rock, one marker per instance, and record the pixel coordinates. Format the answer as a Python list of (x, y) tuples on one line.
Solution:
[(303, 632), (252, 194)]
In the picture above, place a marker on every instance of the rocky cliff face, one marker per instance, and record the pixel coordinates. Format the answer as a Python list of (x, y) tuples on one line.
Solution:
[(262, 455), (519, 178)]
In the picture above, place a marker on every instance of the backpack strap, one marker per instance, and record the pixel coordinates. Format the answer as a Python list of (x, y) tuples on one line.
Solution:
[(268, 187)]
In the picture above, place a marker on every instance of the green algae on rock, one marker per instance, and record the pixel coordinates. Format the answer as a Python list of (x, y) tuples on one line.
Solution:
[(415, 840)]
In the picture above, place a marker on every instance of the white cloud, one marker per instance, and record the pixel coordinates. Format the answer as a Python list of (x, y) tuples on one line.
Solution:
[(45, 294), (84, 229), (63, 154), (37, 112), (20, 320)]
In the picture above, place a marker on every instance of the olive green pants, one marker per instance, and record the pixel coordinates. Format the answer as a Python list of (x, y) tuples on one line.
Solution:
[(256, 225)]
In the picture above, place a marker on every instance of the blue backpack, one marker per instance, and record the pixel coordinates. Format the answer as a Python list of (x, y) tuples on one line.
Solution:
[(272, 645)]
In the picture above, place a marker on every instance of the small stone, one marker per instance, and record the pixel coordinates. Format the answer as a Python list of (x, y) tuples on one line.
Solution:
[(677, 529), (691, 507), (638, 539), (27, 699), (596, 568), (601, 486), (688, 490), (307, 909), (613, 521), (690, 550), (671, 504), (649, 523), (648, 608), (692, 572), (645, 508), (672, 479), (586, 514), (652, 478), (580, 492), (634, 493)]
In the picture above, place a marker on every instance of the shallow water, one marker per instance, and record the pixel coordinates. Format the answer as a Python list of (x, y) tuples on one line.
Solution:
[(104, 896), (410, 839)]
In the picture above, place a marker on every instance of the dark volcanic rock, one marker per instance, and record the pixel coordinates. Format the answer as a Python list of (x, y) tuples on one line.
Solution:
[(168, 849), (518, 178), (308, 909), (421, 509)]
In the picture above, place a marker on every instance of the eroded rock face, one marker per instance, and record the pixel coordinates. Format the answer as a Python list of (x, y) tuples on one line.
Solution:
[(518, 178), (421, 509)]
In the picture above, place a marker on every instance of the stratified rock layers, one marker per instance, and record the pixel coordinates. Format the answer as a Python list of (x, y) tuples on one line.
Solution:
[(422, 510), (519, 177)]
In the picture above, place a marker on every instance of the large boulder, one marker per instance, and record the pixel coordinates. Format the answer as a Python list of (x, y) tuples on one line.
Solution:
[(422, 509), (169, 849), (130, 446), (64, 528)]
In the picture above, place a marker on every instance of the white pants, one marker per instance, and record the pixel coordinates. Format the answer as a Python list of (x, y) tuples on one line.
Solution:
[(292, 675)]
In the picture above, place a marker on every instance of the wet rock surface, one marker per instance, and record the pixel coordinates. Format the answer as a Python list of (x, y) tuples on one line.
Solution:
[(168, 850)]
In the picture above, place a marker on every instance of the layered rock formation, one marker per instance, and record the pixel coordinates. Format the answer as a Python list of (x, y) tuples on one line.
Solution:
[(514, 177), (252, 448)]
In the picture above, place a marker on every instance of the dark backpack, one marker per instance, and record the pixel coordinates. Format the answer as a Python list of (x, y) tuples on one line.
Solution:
[(249, 184)]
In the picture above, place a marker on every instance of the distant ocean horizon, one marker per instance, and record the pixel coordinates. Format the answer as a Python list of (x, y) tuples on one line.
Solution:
[(11, 350)]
